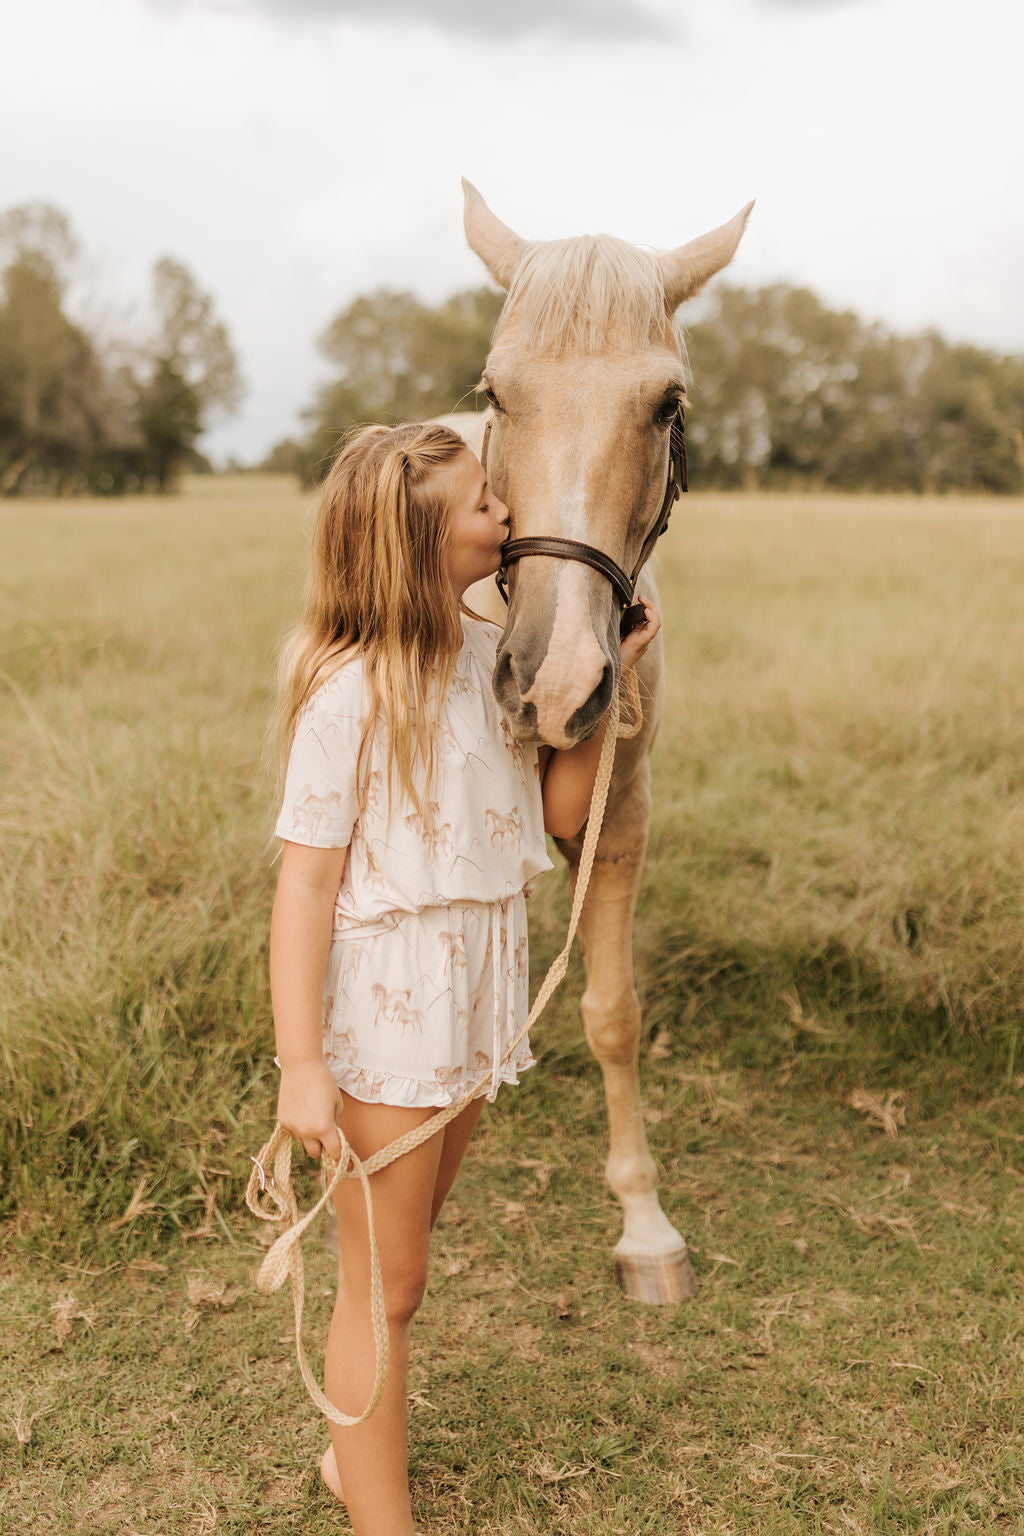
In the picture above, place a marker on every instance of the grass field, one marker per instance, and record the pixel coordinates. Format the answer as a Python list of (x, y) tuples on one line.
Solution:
[(829, 943)]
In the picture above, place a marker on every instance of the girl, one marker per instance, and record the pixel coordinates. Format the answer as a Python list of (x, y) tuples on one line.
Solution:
[(413, 823)]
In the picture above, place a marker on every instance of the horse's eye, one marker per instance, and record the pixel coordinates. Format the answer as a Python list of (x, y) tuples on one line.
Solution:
[(491, 398), (667, 409)]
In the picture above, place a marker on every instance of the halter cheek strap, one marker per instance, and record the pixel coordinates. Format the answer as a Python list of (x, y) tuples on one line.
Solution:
[(586, 554)]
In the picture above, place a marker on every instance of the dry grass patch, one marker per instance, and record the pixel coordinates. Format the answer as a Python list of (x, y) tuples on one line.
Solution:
[(829, 956)]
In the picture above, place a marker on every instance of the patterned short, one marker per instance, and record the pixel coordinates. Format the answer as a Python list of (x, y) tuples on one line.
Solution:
[(423, 1008)]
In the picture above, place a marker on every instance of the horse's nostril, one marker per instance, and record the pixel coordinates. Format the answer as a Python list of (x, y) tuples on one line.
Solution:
[(584, 721), (508, 672), (602, 694)]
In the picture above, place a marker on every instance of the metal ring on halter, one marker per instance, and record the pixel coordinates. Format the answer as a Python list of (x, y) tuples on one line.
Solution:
[(264, 1177)]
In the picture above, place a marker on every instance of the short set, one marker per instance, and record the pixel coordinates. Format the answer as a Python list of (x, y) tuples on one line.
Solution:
[(428, 978)]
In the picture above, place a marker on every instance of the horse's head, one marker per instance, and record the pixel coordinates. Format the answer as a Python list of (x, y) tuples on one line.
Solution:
[(584, 378)]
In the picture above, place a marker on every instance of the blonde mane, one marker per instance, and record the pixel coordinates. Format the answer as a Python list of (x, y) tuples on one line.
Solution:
[(584, 294)]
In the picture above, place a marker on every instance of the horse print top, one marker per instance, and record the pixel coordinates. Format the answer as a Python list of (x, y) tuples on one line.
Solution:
[(427, 977), (484, 838)]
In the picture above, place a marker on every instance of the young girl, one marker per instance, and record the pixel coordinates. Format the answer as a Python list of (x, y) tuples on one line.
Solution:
[(413, 822)]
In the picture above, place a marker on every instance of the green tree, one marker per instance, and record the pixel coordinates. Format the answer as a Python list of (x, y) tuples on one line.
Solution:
[(170, 419), (193, 372), (399, 360), (42, 234), (787, 391), (73, 419), (773, 371), (975, 406), (191, 340), (53, 394)]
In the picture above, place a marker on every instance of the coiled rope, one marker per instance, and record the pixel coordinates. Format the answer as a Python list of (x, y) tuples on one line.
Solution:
[(269, 1194)]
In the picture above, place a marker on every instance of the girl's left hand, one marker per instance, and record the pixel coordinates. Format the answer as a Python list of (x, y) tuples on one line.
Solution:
[(637, 641)]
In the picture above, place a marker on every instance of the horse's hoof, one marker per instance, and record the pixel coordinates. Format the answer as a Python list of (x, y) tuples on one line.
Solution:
[(659, 1279)]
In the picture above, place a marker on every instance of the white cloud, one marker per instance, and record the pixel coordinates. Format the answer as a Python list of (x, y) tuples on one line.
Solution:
[(294, 167), (613, 19)]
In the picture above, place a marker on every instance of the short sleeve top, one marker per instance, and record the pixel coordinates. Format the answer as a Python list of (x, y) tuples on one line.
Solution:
[(484, 835)]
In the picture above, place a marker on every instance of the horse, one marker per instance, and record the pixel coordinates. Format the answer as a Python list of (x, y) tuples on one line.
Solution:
[(586, 382)]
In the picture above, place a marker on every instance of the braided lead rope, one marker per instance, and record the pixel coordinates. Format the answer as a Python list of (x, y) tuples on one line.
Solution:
[(284, 1259)]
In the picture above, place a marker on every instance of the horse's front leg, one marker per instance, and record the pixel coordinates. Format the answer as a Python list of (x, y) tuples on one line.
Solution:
[(651, 1261)]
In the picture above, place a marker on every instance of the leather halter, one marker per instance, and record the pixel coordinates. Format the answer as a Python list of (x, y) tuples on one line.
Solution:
[(586, 554)]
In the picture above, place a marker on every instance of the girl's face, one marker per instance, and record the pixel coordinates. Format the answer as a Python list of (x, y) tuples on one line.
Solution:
[(479, 525)]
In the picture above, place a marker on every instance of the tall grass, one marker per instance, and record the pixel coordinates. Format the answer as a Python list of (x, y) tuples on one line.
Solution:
[(839, 823), (138, 660), (836, 858)]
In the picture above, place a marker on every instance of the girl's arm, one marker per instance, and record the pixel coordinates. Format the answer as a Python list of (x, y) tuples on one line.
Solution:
[(308, 1104), (568, 781)]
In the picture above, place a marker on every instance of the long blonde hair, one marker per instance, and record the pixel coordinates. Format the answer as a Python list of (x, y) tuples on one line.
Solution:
[(379, 588)]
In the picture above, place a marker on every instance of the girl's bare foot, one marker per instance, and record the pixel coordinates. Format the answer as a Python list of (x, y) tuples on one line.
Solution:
[(330, 1474)]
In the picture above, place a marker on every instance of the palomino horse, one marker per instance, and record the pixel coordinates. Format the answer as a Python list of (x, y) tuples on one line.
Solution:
[(584, 380)]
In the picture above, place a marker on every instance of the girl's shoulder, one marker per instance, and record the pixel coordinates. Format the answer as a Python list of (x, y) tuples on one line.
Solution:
[(339, 693)]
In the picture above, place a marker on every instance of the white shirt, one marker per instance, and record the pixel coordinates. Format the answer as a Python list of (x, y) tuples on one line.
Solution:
[(485, 838)]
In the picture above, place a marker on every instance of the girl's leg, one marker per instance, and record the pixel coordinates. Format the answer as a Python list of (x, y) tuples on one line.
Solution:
[(372, 1458), (455, 1140), (451, 1143)]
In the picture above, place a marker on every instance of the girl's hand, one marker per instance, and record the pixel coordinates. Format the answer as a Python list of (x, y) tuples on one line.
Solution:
[(637, 641), (309, 1107)]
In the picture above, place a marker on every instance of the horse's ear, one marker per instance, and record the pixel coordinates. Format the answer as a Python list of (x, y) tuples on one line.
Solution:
[(499, 248), (688, 268)]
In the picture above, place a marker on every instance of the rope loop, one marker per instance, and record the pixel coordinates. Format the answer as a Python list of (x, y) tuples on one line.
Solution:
[(284, 1259)]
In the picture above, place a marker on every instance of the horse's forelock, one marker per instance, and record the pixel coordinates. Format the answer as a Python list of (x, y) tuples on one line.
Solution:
[(582, 294)]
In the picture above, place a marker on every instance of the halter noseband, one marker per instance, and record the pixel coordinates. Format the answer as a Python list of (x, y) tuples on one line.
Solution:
[(586, 554)]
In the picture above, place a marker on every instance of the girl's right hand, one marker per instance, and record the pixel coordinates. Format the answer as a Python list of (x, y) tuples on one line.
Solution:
[(638, 639), (309, 1107)]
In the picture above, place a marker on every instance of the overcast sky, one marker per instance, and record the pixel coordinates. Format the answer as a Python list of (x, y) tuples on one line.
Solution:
[(295, 153)]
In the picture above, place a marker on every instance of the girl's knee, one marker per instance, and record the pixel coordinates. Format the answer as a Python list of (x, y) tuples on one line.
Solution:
[(404, 1290), (404, 1293)]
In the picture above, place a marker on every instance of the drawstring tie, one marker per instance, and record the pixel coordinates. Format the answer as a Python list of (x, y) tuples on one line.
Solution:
[(503, 978)]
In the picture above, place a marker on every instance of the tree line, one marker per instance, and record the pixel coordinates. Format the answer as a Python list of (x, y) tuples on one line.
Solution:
[(785, 392), (81, 412)]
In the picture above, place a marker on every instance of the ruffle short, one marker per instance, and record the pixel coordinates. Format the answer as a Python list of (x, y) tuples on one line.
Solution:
[(420, 1009)]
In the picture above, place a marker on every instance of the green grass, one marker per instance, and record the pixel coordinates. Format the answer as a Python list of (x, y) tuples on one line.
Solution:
[(839, 783), (833, 903), (853, 1361)]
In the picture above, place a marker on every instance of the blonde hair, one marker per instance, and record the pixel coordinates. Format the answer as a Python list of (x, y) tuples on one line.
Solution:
[(379, 588)]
